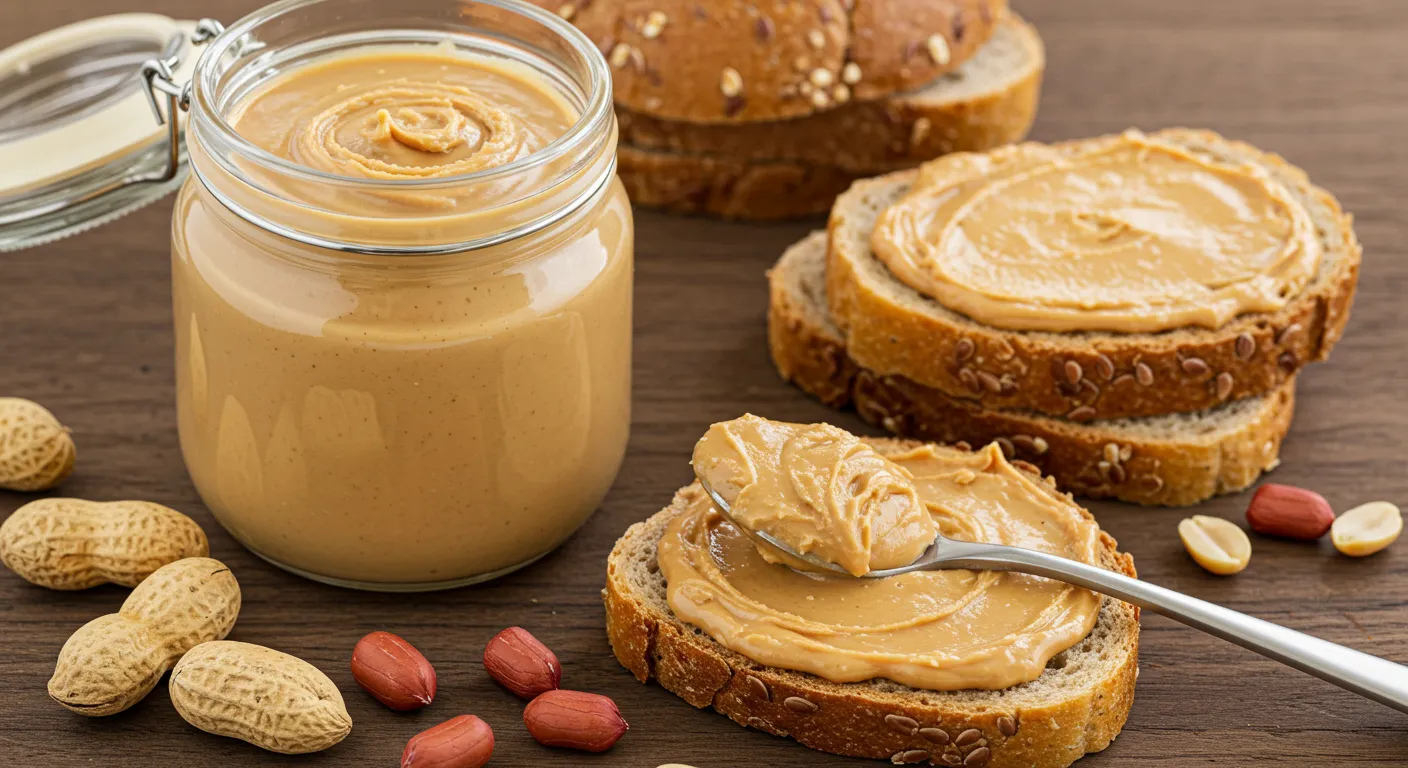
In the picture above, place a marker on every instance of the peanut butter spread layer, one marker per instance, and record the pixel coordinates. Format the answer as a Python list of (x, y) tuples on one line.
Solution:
[(404, 113), (940, 630), (1123, 233)]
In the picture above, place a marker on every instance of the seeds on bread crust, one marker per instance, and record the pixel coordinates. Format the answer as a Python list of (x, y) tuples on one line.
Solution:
[(1194, 366), (799, 705), (901, 724), (936, 735), (1224, 384), (938, 49), (1007, 726), (1245, 346), (969, 736), (909, 757), (653, 25), (760, 688)]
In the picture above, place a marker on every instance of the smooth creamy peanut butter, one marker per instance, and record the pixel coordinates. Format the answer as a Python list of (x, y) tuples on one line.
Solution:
[(404, 114), (402, 420), (940, 630), (818, 489), (1125, 233)]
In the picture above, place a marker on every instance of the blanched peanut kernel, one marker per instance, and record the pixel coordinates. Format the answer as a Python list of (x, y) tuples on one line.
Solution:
[(1216, 544), (1367, 528)]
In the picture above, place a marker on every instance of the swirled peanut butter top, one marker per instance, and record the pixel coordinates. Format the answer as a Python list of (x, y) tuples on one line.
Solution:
[(1124, 233), (818, 489), (403, 113), (940, 630)]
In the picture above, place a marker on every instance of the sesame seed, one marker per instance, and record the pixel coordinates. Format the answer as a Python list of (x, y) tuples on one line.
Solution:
[(821, 78), (654, 24), (850, 74), (816, 38), (841, 93), (567, 11), (938, 49), (730, 82), (620, 55), (820, 99), (920, 131)]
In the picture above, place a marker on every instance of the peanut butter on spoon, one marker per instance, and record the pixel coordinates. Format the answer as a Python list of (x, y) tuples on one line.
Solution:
[(818, 489)]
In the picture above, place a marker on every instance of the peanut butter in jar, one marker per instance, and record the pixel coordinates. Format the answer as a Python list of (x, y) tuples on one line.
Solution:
[(402, 277)]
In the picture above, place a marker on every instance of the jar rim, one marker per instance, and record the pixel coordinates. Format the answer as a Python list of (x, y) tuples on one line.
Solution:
[(596, 113)]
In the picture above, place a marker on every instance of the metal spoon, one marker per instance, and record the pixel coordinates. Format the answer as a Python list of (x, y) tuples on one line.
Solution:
[(1369, 676)]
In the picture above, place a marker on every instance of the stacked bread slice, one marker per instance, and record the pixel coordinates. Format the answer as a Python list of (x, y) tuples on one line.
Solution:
[(769, 110), (1168, 418)]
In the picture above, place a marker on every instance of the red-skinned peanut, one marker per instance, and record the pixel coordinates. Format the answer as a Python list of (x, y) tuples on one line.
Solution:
[(393, 671)]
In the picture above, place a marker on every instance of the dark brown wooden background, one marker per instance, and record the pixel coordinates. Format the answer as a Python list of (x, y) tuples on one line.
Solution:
[(85, 329)]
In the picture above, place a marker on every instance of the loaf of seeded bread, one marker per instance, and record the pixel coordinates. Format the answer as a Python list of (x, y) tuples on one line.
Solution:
[(987, 102), (731, 61), (1077, 705), (893, 330), (1173, 460)]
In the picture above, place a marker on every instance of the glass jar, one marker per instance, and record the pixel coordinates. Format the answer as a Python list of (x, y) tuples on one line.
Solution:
[(390, 397)]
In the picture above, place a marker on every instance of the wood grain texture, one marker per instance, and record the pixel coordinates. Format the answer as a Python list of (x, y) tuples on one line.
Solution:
[(85, 329)]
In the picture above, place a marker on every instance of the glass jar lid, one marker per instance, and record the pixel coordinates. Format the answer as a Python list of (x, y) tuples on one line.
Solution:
[(84, 131)]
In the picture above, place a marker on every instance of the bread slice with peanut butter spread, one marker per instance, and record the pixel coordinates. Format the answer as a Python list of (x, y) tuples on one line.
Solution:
[(892, 329), (1076, 705), (1171, 460)]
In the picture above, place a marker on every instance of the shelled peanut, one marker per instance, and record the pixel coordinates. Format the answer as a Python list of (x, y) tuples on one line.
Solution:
[(460, 742), (1217, 545), (113, 661), (393, 672), (36, 451), (575, 720), (268, 698), (519, 662), (1366, 529), (74, 544)]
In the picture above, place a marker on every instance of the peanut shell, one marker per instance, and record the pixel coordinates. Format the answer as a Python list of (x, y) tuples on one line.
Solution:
[(36, 451), (74, 544), (270, 699), (114, 661)]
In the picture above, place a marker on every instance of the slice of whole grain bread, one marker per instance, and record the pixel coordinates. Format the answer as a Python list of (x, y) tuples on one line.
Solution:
[(987, 102), (737, 61), (794, 168), (891, 329), (1077, 705), (1174, 460)]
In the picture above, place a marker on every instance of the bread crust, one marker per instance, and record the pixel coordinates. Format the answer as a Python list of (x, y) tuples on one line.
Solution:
[(865, 137), (852, 719), (668, 57), (1257, 352), (729, 189), (1145, 471)]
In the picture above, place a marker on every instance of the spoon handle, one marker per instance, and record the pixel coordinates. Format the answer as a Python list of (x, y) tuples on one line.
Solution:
[(1369, 676)]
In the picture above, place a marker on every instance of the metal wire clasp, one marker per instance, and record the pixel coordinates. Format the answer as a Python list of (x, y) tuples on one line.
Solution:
[(159, 75)]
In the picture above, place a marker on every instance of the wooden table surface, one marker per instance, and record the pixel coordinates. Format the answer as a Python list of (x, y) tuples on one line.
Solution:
[(85, 329)]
